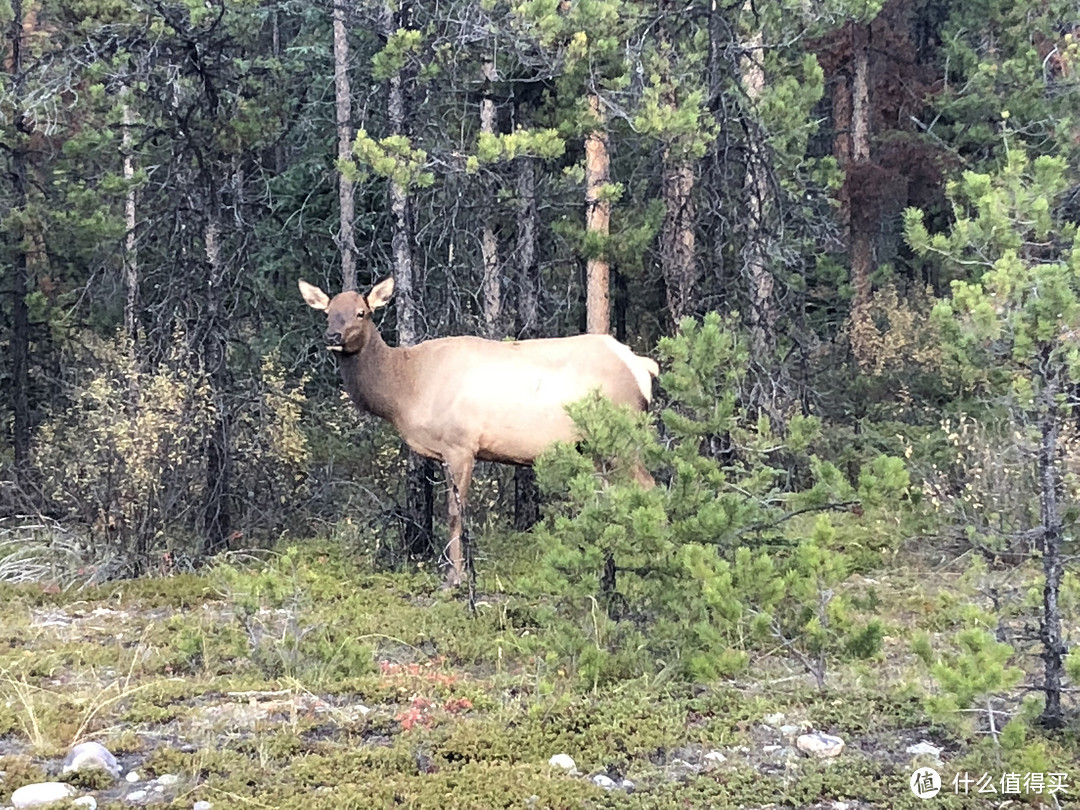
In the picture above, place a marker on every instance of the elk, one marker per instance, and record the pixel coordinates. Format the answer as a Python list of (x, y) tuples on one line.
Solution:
[(460, 399)]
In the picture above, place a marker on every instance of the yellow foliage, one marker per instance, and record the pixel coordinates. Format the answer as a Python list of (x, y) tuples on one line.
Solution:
[(896, 332), (114, 455)]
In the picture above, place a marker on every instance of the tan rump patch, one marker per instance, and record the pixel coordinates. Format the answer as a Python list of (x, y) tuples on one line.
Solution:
[(643, 368)]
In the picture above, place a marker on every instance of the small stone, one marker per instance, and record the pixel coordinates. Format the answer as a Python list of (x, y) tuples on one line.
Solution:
[(564, 761), (790, 730), (715, 757), (168, 780), (89, 755), (136, 796), (773, 720), (820, 745), (627, 785), (132, 777), (201, 805), (771, 749), (604, 781), (41, 794), (86, 801), (924, 749)]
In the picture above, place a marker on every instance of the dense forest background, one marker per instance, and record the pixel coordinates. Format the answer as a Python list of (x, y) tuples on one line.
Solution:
[(879, 197)]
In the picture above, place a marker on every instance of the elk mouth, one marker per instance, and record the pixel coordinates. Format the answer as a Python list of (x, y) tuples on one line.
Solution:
[(337, 348)]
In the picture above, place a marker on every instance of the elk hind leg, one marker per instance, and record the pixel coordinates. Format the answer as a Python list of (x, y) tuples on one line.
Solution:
[(459, 475)]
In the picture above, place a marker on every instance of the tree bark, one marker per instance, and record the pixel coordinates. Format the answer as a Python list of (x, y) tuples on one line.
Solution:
[(860, 225), (597, 222), (1050, 485), (489, 242), (346, 198), (678, 260), (20, 316), (526, 493), (756, 189), (216, 514), (677, 257), (419, 496)]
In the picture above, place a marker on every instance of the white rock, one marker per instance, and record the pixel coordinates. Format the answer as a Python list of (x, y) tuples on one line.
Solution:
[(136, 796), (604, 781), (88, 755), (564, 761), (86, 801), (132, 777), (41, 794), (168, 780), (771, 749), (715, 756), (773, 720), (924, 749), (820, 745), (627, 785), (790, 730), (201, 805)]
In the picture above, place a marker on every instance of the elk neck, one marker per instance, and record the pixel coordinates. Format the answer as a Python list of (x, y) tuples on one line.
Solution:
[(374, 377)]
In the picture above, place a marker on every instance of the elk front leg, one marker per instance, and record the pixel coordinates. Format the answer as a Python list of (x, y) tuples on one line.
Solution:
[(459, 475)]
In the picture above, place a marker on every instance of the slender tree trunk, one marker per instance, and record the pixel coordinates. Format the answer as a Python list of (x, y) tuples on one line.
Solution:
[(526, 493), (419, 497), (1054, 647), (597, 222), (861, 224), (489, 242), (756, 188), (20, 316), (343, 97), (130, 258), (216, 514), (677, 257)]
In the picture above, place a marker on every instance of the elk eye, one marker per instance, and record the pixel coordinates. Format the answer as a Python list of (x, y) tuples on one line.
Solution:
[(361, 314)]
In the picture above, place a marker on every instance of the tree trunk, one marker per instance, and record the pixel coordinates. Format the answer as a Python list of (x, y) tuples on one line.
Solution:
[(489, 242), (343, 97), (20, 316), (1050, 485), (419, 497), (216, 515), (597, 222), (526, 493), (861, 225), (677, 259), (756, 189)]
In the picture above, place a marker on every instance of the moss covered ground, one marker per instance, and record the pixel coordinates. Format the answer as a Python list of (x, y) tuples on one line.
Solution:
[(301, 679)]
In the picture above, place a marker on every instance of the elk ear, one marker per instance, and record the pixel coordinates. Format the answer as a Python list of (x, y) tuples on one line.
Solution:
[(381, 293), (316, 298)]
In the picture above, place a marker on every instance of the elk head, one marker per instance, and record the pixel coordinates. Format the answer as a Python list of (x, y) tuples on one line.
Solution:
[(348, 314)]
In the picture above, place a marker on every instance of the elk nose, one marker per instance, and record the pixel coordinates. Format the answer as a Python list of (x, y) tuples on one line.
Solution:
[(333, 338)]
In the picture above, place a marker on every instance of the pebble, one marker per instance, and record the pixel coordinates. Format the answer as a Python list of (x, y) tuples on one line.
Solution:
[(41, 794), (132, 777), (564, 761), (820, 745), (88, 755), (201, 805)]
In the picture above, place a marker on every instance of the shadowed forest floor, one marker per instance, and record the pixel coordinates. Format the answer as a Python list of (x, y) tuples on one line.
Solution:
[(300, 681)]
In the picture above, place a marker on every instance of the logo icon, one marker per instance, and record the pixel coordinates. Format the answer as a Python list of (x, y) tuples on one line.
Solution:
[(925, 783)]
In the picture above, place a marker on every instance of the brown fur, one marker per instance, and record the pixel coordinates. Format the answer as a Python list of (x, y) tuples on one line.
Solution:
[(459, 399)]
